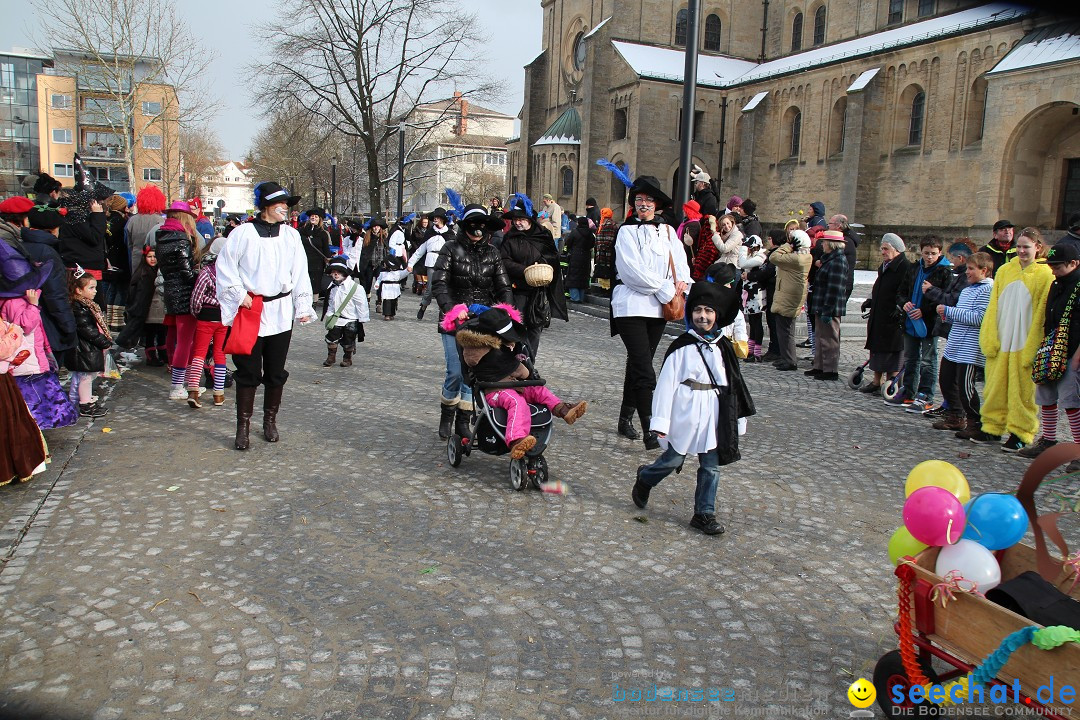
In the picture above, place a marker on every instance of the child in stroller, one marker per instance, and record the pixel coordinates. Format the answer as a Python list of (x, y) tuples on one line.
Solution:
[(493, 350)]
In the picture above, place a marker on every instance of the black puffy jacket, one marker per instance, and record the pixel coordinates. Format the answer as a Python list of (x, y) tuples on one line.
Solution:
[(88, 354), (469, 272), (177, 268), (83, 243)]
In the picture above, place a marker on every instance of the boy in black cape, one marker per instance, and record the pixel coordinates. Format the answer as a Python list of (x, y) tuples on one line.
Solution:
[(700, 402)]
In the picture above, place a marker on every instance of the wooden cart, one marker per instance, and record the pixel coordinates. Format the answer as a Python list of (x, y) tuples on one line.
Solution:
[(968, 628)]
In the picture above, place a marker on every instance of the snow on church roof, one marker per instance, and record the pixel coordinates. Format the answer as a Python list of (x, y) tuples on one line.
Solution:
[(660, 63), (1051, 44)]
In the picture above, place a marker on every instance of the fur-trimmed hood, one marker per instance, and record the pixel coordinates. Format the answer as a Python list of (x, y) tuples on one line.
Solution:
[(473, 339)]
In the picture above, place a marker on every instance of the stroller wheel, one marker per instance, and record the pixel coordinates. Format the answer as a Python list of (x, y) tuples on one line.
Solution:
[(854, 378), (519, 475), (891, 389), (453, 450), (539, 465)]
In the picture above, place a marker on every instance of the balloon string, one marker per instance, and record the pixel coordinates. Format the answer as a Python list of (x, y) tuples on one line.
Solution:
[(953, 581)]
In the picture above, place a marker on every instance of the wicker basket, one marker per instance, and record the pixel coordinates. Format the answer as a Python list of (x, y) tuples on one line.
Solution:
[(539, 275)]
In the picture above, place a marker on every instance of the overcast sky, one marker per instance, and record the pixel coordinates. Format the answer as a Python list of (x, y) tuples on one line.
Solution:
[(513, 26)]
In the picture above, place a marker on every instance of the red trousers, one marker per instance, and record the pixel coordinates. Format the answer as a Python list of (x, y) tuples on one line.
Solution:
[(205, 331)]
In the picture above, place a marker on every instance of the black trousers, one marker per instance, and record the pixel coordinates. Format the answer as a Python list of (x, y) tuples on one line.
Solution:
[(266, 363), (770, 321), (346, 335), (754, 327), (641, 336), (389, 307), (957, 382), (154, 335)]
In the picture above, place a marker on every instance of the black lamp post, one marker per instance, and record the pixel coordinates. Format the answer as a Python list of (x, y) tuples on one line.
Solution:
[(333, 186)]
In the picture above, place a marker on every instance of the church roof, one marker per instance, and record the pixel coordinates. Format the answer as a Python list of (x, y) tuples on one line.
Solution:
[(566, 130), (719, 71), (1047, 45)]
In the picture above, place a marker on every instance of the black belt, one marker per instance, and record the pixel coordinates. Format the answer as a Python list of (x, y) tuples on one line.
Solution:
[(693, 385), (276, 297)]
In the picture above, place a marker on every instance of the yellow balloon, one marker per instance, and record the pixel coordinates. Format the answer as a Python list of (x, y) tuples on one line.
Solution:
[(902, 543), (938, 473)]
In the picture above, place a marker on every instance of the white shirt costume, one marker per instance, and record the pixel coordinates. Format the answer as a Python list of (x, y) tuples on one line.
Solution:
[(357, 309), (389, 282), (268, 267), (641, 263)]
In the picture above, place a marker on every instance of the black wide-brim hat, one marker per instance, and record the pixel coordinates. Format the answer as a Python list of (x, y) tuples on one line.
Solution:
[(339, 264), (649, 185), (722, 299), (316, 211), (496, 321), (437, 212), (270, 193), (477, 216), (378, 221)]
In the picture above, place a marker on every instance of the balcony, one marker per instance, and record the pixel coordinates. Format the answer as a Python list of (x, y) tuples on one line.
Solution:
[(97, 151), (101, 119)]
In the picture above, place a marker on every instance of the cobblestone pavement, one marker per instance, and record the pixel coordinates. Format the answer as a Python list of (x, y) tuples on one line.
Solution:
[(348, 572)]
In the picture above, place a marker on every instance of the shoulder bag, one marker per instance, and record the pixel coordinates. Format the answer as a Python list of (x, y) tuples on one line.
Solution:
[(1052, 357), (675, 308)]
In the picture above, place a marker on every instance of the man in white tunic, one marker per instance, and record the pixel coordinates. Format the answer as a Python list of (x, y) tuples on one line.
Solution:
[(264, 258), (699, 403)]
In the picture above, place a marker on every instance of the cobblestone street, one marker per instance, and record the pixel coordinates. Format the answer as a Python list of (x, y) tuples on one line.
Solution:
[(349, 572)]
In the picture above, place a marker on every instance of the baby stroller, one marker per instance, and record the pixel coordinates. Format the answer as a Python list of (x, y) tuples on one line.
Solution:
[(487, 429)]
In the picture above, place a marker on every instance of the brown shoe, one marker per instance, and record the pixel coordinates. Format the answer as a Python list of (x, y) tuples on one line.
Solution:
[(570, 412), (331, 356), (971, 428), (519, 447), (219, 399), (950, 421), (193, 399)]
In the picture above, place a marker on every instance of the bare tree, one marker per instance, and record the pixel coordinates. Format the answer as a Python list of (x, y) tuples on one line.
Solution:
[(201, 153), (363, 66), (482, 185), (118, 49)]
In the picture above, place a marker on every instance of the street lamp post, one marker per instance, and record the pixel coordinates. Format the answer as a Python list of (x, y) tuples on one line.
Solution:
[(401, 169), (689, 93), (333, 186)]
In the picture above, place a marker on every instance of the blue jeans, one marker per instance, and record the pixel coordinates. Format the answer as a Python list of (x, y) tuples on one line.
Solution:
[(425, 299), (454, 386), (577, 295), (920, 366), (708, 477)]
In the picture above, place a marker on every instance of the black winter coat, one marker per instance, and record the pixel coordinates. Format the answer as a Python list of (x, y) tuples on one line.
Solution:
[(948, 295), (140, 296), (116, 251), (84, 243), (469, 272), (578, 245), (55, 306), (520, 250), (752, 226), (710, 204), (89, 354), (177, 267), (317, 247), (885, 328)]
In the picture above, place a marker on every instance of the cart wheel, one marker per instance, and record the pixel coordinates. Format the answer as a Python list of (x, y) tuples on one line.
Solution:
[(889, 674), (540, 465), (519, 475), (891, 388), (854, 378), (453, 450)]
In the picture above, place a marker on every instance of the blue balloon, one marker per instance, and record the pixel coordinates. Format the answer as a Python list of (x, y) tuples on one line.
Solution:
[(995, 520)]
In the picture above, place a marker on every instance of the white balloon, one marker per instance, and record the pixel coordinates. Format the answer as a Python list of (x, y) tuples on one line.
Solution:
[(972, 561)]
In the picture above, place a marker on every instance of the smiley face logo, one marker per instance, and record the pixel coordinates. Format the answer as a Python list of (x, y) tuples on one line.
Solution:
[(862, 694)]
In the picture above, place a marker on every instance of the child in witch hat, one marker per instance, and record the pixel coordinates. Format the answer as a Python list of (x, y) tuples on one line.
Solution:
[(347, 306), (490, 344), (700, 403)]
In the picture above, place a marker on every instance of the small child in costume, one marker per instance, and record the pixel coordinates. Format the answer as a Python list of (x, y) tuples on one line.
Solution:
[(700, 403), (347, 305), (145, 313), (388, 286), (87, 359), (490, 344), (209, 329)]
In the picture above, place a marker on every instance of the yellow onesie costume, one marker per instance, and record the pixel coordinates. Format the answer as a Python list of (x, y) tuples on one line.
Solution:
[(1011, 332)]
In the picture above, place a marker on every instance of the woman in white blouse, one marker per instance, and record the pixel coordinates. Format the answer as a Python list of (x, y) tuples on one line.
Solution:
[(264, 257), (646, 252)]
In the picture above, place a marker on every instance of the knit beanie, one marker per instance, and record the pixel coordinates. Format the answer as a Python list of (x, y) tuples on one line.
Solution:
[(894, 241)]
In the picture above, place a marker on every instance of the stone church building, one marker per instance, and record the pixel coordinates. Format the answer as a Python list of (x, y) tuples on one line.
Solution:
[(906, 115)]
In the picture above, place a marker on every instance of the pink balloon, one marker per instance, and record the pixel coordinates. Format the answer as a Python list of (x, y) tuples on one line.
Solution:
[(934, 516)]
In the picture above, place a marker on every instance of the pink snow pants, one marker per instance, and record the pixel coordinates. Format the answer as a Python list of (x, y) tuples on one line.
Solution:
[(516, 404)]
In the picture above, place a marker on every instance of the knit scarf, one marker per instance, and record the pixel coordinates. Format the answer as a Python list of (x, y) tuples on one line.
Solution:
[(98, 317)]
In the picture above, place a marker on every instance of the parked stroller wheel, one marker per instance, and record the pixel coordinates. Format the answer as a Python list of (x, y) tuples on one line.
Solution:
[(453, 450), (889, 673), (519, 475), (539, 464), (854, 378), (891, 389)]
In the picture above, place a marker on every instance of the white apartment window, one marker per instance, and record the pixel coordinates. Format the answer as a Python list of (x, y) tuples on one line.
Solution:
[(7, 75), (151, 142), (151, 108), (61, 135), (151, 174), (60, 170), (61, 102)]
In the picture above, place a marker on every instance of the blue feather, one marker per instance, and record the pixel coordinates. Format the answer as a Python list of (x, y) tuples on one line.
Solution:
[(525, 202), (367, 223), (408, 218), (623, 174), (258, 195), (455, 200)]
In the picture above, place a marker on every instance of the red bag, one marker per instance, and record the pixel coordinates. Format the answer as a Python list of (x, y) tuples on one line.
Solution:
[(245, 328)]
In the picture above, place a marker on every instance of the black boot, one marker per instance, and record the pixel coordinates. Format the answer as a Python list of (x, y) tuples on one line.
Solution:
[(271, 403), (626, 423), (652, 438), (245, 405), (446, 419), (461, 422)]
